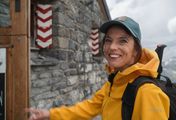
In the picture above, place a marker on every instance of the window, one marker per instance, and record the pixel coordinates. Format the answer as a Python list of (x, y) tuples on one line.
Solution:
[(5, 13)]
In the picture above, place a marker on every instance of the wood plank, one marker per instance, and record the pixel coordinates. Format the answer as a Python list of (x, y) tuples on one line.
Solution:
[(5, 31), (20, 19), (5, 40), (20, 76), (9, 86)]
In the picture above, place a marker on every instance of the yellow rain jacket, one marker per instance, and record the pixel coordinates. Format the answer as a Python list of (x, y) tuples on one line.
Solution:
[(150, 104)]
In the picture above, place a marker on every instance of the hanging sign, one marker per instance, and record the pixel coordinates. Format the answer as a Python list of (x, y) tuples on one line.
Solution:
[(94, 41), (44, 26)]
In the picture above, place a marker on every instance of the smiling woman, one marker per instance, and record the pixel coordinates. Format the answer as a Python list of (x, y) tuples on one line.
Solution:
[(119, 48), (121, 44), (126, 62)]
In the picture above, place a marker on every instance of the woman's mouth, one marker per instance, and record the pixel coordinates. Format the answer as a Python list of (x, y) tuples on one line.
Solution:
[(113, 56)]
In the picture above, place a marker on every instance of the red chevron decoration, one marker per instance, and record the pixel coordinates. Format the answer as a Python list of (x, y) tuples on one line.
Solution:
[(94, 41), (44, 26)]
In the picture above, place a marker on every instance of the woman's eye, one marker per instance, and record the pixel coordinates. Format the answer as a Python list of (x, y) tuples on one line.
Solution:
[(108, 40), (123, 41)]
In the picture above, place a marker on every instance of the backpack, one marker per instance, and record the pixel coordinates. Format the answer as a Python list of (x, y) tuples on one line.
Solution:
[(166, 86)]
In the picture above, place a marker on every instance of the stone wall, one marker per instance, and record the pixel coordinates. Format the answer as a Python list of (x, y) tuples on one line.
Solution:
[(67, 72)]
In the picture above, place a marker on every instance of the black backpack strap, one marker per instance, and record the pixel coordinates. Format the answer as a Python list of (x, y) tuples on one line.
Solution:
[(159, 50), (110, 79), (129, 96)]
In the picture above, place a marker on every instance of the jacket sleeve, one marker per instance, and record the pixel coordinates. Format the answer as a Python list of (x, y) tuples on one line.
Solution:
[(84, 110), (151, 104)]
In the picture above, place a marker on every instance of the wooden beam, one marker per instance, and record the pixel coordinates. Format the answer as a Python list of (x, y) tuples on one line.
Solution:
[(20, 69), (104, 9)]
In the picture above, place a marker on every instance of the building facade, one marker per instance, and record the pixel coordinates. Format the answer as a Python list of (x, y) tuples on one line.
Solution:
[(67, 72), (47, 59)]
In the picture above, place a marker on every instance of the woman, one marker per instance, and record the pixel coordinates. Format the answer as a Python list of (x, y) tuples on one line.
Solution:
[(127, 61)]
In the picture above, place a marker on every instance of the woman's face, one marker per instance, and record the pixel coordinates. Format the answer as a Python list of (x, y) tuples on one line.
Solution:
[(119, 48)]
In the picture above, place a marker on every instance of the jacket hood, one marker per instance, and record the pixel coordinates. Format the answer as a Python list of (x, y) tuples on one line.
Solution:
[(146, 66)]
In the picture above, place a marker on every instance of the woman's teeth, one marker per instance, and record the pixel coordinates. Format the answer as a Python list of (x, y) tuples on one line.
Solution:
[(114, 56)]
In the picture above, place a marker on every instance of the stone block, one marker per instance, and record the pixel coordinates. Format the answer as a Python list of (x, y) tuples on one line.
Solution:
[(71, 56), (81, 68), (59, 86), (46, 95), (44, 104), (62, 55), (74, 95), (63, 32), (88, 68), (66, 90), (58, 73), (91, 77), (71, 72), (73, 45), (63, 65), (72, 80), (73, 34), (34, 76), (40, 83), (79, 57), (55, 32), (63, 42), (58, 102), (73, 65), (39, 90), (88, 57), (83, 78), (45, 75)]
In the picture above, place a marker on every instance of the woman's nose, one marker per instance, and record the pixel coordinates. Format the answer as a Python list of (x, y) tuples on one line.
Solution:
[(113, 46)]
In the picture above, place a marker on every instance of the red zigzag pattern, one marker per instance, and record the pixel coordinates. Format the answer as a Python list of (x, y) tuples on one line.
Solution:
[(44, 26), (94, 41)]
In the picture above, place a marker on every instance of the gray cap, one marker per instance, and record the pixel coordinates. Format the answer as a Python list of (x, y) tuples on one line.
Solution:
[(128, 23)]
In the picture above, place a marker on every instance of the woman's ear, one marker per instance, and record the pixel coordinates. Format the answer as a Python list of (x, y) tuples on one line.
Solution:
[(136, 54)]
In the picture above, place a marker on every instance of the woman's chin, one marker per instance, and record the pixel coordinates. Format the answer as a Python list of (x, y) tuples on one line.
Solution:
[(114, 65)]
